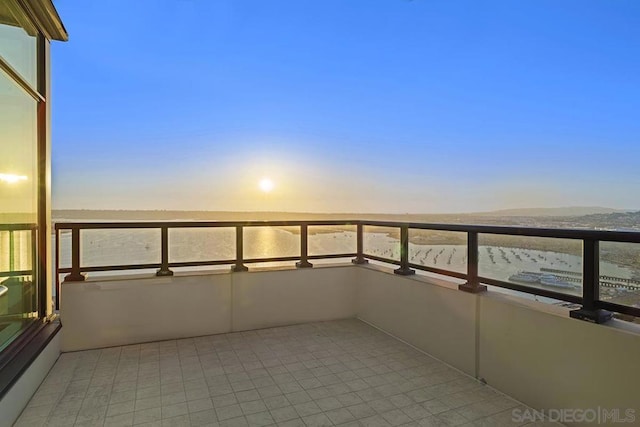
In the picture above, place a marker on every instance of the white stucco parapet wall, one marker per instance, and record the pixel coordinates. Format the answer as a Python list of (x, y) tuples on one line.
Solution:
[(126, 310), (529, 350)]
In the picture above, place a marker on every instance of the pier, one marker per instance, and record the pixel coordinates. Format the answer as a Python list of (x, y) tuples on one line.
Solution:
[(605, 281)]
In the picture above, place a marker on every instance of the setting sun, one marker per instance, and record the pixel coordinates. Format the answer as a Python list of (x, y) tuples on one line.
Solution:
[(266, 185), (11, 178)]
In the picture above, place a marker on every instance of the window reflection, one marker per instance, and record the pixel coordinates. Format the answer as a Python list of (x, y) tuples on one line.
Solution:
[(17, 47), (18, 182)]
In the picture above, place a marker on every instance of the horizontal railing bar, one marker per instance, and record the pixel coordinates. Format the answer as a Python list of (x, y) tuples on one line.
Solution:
[(332, 256), (16, 273), (382, 259), (195, 224), (532, 290), (624, 309), (558, 233), (94, 269), (18, 227), (198, 263), (201, 263), (444, 272), (272, 259)]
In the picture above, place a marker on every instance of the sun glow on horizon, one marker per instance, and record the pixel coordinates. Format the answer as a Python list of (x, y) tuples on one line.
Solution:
[(10, 178), (266, 185)]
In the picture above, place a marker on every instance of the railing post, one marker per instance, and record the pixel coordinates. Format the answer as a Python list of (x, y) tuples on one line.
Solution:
[(359, 259), (239, 251), (40, 296), (591, 285), (12, 252), (404, 269), (75, 275), (57, 278), (304, 247), (164, 253), (473, 283)]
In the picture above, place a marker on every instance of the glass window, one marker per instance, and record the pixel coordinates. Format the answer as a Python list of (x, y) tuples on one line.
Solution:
[(18, 205), (18, 162), (17, 47)]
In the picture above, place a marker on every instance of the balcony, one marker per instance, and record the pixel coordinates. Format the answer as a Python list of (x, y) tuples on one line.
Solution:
[(341, 337), (342, 372), (388, 324)]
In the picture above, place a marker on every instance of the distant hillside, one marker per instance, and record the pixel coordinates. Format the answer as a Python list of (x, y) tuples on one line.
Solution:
[(563, 211), (616, 220), (557, 218), (168, 215)]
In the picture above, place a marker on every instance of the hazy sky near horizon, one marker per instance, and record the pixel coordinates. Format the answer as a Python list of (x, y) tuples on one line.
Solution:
[(347, 105)]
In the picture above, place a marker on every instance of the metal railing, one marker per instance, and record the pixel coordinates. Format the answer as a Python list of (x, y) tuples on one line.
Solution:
[(12, 229), (593, 308)]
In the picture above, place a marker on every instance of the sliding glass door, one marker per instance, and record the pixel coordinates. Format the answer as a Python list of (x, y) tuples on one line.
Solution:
[(21, 286)]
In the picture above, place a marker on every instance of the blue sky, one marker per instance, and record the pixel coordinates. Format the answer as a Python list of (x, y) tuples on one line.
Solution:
[(348, 106)]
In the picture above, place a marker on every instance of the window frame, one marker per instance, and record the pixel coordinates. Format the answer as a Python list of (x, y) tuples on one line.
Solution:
[(25, 347)]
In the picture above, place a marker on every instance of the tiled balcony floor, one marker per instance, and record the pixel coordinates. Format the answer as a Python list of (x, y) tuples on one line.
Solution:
[(319, 374)]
